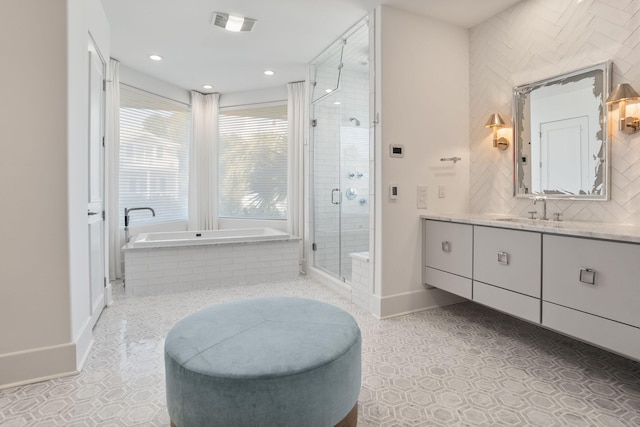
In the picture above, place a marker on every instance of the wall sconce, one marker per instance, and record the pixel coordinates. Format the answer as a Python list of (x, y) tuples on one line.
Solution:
[(495, 122), (621, 94)]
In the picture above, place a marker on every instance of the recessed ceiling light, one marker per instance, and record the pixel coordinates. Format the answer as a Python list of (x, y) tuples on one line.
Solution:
[(336, 103), (328, 90), (269, 72), (155, 57), (207, 86)]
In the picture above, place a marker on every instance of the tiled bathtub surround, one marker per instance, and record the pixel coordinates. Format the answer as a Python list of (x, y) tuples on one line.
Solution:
[(197, 267), (537, 39), (462, 365)]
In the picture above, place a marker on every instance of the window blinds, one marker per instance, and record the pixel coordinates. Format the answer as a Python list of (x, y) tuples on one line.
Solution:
[(253, 162), (154, 155)]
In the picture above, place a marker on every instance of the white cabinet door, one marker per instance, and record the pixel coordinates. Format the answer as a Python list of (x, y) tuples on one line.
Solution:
[(448, 247), (509, 259), (593, 276)]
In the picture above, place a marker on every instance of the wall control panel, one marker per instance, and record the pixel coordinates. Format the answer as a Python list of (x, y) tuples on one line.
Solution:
[(393, 191), (396, 150)]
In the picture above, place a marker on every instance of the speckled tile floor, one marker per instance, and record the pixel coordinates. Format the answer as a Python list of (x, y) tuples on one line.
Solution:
[(462, 365)]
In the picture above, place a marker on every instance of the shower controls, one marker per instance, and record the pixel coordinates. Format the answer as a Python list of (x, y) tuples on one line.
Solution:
[(359, 175), (352, 193), (352, 175), (396, 150), (363, 201)]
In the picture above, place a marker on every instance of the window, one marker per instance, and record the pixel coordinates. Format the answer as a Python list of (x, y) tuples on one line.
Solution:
[(253, 162), (154, 155)]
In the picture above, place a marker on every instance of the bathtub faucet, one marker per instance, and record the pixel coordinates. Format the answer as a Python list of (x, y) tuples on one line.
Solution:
[(127, 211)]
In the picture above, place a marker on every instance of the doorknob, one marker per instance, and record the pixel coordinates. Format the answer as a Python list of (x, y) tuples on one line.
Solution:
[(92, 213)]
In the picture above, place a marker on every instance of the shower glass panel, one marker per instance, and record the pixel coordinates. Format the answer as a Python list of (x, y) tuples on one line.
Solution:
[(341, 153)]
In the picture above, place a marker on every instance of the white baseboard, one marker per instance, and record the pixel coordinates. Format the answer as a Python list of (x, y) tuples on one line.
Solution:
[(84, 343), (29, 366), (410, 302)]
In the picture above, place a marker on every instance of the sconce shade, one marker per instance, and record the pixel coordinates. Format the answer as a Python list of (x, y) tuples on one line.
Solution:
[(622, 92), (495, 121)]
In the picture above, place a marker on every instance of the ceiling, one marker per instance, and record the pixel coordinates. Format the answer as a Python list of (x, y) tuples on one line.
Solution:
[(287, 36)]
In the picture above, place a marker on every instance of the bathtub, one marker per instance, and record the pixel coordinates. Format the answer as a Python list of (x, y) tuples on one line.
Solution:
[(212, 237), (190, 260)]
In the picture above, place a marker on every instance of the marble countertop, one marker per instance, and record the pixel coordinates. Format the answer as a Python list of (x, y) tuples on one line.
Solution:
[(596, 230)]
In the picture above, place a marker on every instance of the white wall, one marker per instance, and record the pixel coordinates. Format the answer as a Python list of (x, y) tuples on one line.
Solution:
[(44, 289), (537, 39), (151, 84), (423, 101)]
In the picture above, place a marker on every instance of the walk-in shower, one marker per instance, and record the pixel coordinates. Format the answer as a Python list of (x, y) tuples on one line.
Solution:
[(341, 177)]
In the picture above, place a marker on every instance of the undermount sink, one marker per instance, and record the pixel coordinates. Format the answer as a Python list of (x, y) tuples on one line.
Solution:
[(516, 219)]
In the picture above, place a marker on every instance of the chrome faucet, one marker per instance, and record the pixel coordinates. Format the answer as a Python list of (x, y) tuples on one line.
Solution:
[(544, 206), (127, 211)]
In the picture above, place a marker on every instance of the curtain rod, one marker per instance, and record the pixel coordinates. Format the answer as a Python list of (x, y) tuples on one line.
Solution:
[(254, 103), (153, 93)]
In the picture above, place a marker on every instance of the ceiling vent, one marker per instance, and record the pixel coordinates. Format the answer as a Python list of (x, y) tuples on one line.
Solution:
[(232, 22)]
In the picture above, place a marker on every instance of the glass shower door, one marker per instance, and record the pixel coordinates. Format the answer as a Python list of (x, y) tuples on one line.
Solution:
[(326, 185)]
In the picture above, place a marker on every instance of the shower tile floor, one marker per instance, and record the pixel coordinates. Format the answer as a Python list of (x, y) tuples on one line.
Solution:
[(462, 365)]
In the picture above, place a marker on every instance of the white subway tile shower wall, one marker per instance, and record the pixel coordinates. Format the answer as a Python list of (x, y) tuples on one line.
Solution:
[(536, 39), (360, 289), (184, 268)]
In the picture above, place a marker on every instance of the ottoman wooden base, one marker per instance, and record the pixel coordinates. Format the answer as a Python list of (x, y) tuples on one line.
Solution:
[(351, 420)]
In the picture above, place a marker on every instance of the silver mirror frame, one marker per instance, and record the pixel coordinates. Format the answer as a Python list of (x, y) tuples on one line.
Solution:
[(606, 68)]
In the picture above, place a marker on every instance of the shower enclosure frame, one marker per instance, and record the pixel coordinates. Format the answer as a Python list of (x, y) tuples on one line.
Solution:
[(364, 127)]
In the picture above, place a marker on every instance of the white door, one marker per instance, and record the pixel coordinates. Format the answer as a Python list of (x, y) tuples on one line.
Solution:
[(561, 169), (96, 206)]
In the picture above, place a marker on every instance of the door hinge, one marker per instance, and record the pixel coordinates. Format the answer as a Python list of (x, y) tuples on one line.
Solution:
[(105, 282), (314, 247), (104, 84), (103, 141), (314, 122), (104, 215)]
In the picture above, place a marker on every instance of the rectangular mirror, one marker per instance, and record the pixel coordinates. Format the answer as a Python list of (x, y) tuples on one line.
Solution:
[(560, 132)]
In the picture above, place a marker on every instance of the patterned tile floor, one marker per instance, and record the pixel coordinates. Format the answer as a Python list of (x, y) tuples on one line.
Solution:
[(462, 365)]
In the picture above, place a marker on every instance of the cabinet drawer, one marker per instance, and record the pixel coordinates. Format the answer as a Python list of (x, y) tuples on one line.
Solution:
[(622, 339), (448, 247), (513, 303), (509, 259), (615, 292), (448, 282)]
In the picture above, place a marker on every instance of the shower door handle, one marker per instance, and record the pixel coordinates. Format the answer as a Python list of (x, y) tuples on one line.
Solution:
[(333, 193)]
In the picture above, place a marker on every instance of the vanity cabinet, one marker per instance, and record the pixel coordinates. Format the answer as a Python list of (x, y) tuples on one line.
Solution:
[(584, 284), (592, 291), (506, 270), (447, 256)]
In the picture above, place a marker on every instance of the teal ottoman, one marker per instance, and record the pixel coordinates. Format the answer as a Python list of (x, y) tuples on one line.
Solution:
[(264, 362)]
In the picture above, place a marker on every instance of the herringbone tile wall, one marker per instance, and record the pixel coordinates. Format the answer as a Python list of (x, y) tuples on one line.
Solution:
[(534, 40)]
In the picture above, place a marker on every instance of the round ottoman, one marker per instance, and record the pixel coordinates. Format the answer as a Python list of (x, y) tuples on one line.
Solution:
[(264, 362)]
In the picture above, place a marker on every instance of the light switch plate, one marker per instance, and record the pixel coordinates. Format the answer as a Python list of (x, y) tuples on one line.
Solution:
[(422, 196)]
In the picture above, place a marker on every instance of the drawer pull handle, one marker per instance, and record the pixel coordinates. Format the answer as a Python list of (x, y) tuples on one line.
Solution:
[(446, 246), (503, 258), (588, 276)]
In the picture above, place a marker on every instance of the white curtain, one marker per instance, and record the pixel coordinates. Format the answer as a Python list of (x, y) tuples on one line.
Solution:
[(296, 118), (112, 134), (203, 162)]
